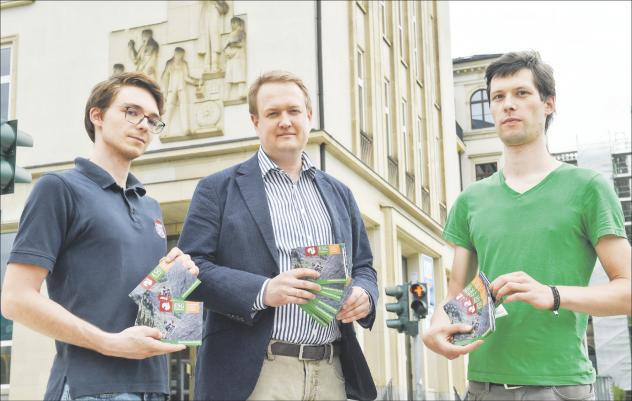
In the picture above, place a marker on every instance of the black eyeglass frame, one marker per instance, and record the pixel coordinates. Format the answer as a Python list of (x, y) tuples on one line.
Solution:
[(155, 124)]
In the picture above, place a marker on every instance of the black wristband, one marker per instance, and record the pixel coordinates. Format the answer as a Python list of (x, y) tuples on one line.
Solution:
[(556, 300)]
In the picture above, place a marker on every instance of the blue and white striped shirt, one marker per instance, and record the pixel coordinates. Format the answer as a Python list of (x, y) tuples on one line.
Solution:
[(299, 218)]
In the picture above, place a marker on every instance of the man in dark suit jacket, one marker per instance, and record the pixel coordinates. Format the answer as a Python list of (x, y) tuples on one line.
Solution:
[(240, 229)]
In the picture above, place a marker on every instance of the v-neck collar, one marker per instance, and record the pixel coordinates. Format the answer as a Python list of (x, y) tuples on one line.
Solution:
[(534, 188)]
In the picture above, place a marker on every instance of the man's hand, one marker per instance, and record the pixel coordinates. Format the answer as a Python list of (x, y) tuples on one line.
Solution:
[(357, 306), (290, 287), (138, 342), (519, 286), (438, 337), (176, 254)]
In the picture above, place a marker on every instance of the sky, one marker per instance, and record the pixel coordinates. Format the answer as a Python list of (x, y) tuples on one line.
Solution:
[(586, 42)]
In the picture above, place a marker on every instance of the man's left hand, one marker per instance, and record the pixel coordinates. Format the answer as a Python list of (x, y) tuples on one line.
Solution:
[(357, 306), (519, 286)]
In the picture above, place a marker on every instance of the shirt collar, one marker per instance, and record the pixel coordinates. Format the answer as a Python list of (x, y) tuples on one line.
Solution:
[(266, 164), (104, 179)]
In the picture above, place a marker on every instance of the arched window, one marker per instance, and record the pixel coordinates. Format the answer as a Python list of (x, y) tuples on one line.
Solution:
[(479, 106)]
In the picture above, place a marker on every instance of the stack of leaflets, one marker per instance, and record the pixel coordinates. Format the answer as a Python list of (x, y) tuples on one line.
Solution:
[(331, 262), (161, 304), (474, 306)]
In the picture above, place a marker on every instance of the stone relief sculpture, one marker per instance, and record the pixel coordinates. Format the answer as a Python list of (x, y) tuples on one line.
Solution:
[(118, 68), (210, 28), (235, 52), (198, 59), (174, 79), (146, 57)]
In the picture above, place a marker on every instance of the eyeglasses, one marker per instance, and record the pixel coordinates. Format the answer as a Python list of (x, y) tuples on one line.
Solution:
[(135, 116)]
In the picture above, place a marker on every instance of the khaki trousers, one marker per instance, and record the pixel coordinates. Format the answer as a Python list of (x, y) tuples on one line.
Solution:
[(288, 378)]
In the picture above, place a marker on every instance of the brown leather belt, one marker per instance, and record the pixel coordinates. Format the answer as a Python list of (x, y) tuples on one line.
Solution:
[(306, 352)]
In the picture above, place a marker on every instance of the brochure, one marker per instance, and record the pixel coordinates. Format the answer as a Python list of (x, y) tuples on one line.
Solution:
[(179, 321), (331, 261), (474, 306), (161, 304), (172, 280)]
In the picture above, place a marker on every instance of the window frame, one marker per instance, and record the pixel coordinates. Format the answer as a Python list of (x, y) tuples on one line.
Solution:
[(484, 100)]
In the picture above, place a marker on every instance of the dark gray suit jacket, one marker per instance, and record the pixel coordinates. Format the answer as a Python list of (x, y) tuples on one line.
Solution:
[(228, 233)]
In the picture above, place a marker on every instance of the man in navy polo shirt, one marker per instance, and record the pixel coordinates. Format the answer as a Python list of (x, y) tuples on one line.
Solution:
[(93, 235)]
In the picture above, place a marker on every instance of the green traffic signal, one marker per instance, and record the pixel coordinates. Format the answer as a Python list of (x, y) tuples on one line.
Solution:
[(10, 138)]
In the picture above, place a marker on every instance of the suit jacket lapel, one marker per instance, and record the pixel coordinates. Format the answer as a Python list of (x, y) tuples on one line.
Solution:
[(332, 203), (251, 186)]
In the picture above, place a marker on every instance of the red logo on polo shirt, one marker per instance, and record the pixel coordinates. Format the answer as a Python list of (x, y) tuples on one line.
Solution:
[(160, 228)]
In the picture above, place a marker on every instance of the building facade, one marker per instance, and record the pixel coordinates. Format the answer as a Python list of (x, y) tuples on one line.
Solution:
[(380, 74)]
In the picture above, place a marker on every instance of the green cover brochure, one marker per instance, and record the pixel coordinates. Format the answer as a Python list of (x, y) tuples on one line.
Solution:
[(330, 261), (161, 304)]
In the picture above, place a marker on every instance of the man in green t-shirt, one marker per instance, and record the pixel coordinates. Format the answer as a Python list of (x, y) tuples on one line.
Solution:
[(535, 228)]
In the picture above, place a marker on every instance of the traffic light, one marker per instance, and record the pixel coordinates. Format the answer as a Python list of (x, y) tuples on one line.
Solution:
[(400, 308), (419, 303), (10, 138)]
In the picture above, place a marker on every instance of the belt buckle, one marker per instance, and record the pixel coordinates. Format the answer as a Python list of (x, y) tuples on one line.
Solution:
[(300, 352), (508, 387)]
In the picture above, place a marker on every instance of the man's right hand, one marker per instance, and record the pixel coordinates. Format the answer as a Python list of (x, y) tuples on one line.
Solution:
[(438, 337), (137, 342), (290, 287)]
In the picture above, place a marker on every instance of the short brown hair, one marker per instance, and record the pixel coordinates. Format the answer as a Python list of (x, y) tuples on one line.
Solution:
[(275, 76), (510, 63), (104, 93)]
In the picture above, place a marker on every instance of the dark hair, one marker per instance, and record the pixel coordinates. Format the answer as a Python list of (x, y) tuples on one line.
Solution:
[(510, 63), (104, 93)]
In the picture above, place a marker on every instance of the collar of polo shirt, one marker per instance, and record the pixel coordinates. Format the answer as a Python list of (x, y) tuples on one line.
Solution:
[(104, 179)]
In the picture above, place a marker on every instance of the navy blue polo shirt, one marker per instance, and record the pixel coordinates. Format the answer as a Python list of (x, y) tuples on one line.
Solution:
[(98, 241)]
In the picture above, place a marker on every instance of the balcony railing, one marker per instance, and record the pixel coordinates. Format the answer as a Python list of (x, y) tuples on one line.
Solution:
[(410, 186), (425, 200), (366, 148), (393, 172)]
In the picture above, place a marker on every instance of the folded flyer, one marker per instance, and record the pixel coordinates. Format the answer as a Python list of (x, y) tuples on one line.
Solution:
[(330, 261), (473, 306), (179, 322), (172, 280), (161, 304)]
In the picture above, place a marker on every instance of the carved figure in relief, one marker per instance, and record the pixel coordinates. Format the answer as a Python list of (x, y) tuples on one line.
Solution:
[(210, 28), (146, 57), (174, 79), (235, 52), (117, 69)]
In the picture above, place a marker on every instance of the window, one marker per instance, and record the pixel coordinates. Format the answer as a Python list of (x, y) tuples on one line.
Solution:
[(406, 163), (627, 210), (5, 81), (479, 106), (361, 91), (6, 332), (387, 119), (621, 163), (400, 29), (413, 9), (484, 170), (622, 187), (385, 20)]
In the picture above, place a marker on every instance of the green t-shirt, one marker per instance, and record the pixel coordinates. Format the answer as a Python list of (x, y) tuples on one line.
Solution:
[(549, 232)]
